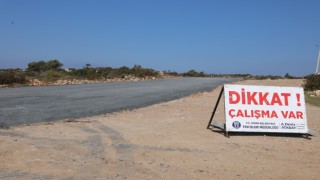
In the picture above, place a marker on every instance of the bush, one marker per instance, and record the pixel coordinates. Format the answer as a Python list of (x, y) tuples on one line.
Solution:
[(194, 73), (52, 76), (312, 82), (42, 66), (103, 72), (80, 73), (118, 73), (269, 77), (140, 72), (11, 77)]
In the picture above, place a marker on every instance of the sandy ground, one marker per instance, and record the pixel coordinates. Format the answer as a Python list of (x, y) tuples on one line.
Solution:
[(163, 141)]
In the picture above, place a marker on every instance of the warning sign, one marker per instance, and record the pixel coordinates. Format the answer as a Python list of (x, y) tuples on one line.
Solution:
[(265, 109)]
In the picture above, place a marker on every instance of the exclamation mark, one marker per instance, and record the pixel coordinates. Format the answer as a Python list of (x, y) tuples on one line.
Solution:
[(298, 100)]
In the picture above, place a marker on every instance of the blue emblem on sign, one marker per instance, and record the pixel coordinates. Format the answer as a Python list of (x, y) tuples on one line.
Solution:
[(236, 124)]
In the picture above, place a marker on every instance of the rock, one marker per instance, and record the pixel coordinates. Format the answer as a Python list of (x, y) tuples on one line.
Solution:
[(37, 82)]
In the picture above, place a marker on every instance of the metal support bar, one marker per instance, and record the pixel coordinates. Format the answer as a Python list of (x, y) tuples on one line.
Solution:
[(307, 136), (226, 133), (215, 107)]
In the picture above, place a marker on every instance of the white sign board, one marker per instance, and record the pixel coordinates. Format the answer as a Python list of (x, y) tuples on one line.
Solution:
[(265, 109)]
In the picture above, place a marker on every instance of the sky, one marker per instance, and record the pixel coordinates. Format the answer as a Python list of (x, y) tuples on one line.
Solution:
[(258, 37)]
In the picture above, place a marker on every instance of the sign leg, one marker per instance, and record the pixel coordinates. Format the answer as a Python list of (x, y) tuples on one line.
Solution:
[(215, 107), (226, 133)]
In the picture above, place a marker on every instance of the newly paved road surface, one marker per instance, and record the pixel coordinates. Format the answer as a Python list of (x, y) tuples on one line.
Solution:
[(44, 104)]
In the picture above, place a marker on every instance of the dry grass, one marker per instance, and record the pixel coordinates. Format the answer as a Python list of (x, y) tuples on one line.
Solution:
[(312, 100)]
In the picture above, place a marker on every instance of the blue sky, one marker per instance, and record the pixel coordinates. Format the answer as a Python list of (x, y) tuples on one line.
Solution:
[(259, 37)]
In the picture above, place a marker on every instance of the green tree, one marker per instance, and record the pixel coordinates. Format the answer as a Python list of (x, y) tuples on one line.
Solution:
[(287, 76), (137, 67), (38, 67), (194, 73), (191, 73), (123, 71), (54, 65), (42, 66)]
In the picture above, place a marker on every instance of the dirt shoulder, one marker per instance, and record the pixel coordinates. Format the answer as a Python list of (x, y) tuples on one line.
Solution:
[(163, 141)]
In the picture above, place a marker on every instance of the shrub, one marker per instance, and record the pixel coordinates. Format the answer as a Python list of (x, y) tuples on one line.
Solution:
[(52, 76), (312, 82), (103, 72), (11, 77), (194, 73), (42, 66), (138, 71)]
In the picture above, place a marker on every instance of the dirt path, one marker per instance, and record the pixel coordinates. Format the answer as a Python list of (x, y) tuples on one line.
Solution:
[(163, 141)]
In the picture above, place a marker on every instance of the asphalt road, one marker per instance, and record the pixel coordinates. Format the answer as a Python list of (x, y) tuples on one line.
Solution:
[(29, 105)]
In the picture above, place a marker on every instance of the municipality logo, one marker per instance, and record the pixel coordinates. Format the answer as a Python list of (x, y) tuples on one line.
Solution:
[(236, 124)]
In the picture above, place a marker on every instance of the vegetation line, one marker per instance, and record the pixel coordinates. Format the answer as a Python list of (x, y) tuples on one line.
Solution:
[(51, 73)]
